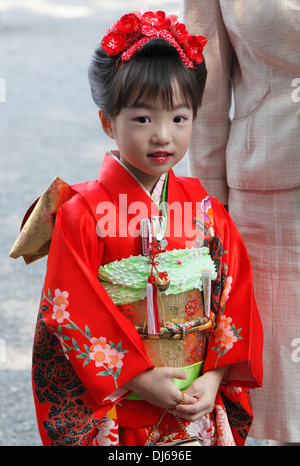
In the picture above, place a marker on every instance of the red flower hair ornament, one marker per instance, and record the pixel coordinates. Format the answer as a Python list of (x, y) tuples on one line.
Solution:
[(133, 30)]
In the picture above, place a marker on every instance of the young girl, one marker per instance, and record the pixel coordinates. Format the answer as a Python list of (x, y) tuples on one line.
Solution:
[(148, 327)]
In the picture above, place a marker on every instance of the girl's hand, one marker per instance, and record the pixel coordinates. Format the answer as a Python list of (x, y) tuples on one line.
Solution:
[(156, 387), (204, 391)]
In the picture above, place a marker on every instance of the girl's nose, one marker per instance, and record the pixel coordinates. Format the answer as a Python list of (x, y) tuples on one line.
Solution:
[(161, 135)]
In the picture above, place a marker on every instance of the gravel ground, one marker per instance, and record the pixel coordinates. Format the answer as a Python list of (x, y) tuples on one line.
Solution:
[(48, 127)]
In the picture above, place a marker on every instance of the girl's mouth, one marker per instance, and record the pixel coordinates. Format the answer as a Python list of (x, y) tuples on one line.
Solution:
[(160, 156)]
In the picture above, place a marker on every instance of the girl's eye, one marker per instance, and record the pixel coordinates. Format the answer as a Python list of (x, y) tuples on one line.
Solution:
[(142, 119), (179, 119)]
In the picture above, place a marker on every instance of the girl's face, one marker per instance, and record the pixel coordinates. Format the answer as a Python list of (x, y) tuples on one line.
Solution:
[(151, 139)]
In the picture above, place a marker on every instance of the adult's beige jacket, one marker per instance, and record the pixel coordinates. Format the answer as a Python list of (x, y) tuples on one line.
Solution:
[(253, 48)]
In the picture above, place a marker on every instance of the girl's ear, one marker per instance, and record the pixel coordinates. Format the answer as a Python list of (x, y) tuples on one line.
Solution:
[(106, 124)]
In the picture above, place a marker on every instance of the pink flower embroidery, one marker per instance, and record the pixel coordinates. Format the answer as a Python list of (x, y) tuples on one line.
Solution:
[(207, 209), (60, 303), (226, 291), (224, 334), (60, 297), (59, 313), (115, 359), (108, 433), (103, 354), (225, 437), (99, 351)]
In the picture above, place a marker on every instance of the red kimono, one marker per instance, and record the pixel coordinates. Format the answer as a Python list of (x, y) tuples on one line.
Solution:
[(85, 349)]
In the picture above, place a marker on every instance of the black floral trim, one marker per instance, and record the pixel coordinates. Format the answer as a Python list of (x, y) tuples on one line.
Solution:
[(70, 421), (238, 417), (217, 252), (215, 246)]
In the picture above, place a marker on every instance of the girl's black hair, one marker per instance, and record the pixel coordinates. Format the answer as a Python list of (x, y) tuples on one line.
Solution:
[(149, 75)]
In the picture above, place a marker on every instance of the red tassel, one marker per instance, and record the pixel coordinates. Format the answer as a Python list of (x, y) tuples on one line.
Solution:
[(152, 309)]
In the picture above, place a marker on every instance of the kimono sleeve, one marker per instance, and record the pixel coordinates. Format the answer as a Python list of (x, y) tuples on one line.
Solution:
[(238, 338), (102, 346)]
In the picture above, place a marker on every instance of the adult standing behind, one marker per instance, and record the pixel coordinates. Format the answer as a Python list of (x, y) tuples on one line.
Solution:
[(252, 164)]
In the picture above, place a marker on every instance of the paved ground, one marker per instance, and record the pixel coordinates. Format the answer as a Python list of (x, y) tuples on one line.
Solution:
[(48, 127)]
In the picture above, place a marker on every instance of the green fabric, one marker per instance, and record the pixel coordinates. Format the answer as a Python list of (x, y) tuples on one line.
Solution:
[(193, 371), (125, 281)]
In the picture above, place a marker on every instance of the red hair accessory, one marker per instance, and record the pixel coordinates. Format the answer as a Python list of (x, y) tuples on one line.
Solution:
[(133, 30)]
